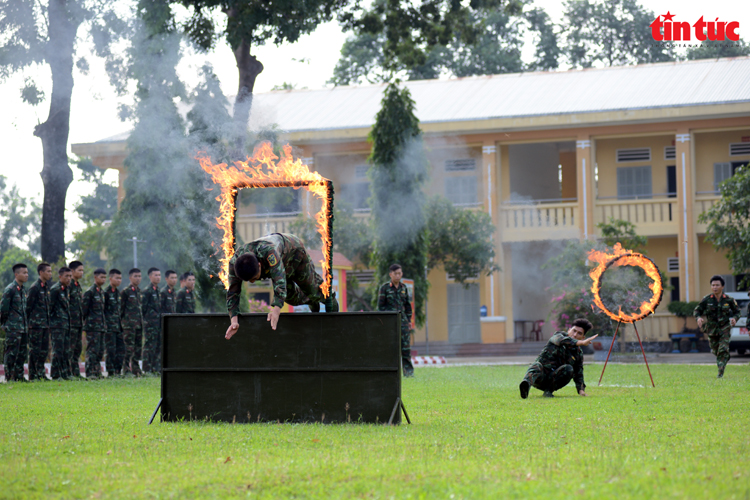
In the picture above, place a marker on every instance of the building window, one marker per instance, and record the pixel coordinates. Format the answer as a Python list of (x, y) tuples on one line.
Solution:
[(463, 314), (725, 170), (739, 149), (669, 152), (461, 191), (633, 154), (673, 264), (356, 194), (633, 182), (460, 164)]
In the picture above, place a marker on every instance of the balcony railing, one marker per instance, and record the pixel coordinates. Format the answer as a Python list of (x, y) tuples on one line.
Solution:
[(252, 226), (657, 216), (703, 202), (538, 221)]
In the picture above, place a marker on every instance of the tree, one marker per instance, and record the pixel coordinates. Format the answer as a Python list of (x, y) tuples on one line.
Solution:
[(251, 23), (158, 157), (493, 47), (622, 232), (101, 205), (459, 240), (729, 220), (19, 220), (398, 171), (37, 33), (717, 50), (610, 32)]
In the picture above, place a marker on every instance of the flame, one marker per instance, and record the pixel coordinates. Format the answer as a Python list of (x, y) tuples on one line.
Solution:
[(622, 257), (262, 171)]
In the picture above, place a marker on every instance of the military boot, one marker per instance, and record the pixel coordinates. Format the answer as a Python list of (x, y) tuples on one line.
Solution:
[(524, 388), (548, 394), (721, 373)]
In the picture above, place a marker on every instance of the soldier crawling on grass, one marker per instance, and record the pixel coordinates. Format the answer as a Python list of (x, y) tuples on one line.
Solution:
[(560, 361), (282, 258), (716, 315)]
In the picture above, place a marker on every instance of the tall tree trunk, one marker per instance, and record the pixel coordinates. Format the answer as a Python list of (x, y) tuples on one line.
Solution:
[(56, 174), (249, 68)]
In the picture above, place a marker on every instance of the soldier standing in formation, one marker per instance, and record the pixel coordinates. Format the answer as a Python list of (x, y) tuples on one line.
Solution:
[(113, 339), (186, 297), (13, 321), (37, 312), (95, 323), (76, 324), (560, 361), (394, 296), (132, 323), (721, 314), (168, 294), (59, 306), (282, 258), (151, 308)]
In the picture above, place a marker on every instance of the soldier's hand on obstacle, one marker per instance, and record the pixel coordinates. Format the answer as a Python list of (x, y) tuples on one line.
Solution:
[(587, 341), (732, 321), (232, 328), (582, 393), (273, 316)]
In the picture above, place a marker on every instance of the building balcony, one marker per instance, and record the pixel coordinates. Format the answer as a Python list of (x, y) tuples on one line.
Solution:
[(703, 202), (656, 216), (540, 220)]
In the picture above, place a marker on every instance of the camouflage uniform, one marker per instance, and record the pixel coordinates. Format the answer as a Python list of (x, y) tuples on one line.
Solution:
[(13, 321), (113, 339), (95, 327), (168, 298), (393, 298), (560, 361), (717, 325), (37, 312), (132, 328), (151, 308), (76, 327), (59, 323), (284, 260), (185, 301)]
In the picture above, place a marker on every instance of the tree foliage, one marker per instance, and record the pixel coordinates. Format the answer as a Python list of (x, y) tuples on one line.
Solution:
[(488, 41), (19, 220), (622, 232), (610, 33), (459, 240), (729, 220), (398, 171), (708, 50)]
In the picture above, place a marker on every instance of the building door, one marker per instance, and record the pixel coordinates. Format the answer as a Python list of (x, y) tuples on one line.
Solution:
[(463, 314), (671, 182)]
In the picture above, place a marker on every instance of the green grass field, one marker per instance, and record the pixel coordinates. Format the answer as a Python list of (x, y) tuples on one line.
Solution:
[(472, 437)]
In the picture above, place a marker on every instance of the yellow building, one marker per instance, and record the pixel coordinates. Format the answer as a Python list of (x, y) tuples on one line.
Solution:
[(548, 155)]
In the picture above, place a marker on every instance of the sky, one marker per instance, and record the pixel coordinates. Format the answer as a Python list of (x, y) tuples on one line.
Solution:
[(306, 63)]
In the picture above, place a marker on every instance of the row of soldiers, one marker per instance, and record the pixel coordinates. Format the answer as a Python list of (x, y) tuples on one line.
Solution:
[(116, 322)]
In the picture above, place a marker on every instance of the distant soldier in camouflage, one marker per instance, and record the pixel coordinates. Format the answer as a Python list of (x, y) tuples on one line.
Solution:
[(168, 294), (95, 323), (151, 307), (716, 315), (115, 345), (185, 302), (394, 296), (76, 321), (282, 258), (37, 312), (59, 314), (132, 323), (560, 362), (13, 321)]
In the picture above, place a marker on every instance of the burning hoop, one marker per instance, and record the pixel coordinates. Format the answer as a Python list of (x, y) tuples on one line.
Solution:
[(622, 257), (263, 171)]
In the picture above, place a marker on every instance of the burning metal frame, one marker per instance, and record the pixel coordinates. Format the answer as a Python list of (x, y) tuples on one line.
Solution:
[(262, 170), (627, 258)]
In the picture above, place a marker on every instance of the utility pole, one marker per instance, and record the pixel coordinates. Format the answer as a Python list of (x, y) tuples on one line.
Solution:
[(135, 249)]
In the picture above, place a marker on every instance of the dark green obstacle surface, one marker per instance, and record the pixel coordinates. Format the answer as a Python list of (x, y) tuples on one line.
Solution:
[(337, 367)]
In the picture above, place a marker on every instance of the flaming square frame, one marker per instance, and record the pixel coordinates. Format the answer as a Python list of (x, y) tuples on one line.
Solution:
[(262, 170)]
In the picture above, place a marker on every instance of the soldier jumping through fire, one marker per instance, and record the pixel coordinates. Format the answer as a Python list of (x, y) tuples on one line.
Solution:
[(282, 258)]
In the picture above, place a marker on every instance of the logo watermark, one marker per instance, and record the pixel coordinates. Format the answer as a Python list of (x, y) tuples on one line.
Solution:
[(667, 30)]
